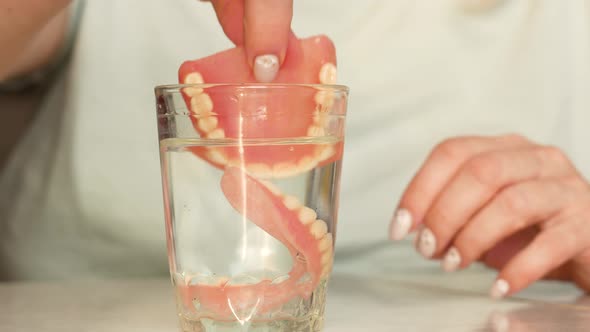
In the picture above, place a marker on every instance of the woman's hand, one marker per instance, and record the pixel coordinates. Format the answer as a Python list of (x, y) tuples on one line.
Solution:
[(262, 27), (517, 206)]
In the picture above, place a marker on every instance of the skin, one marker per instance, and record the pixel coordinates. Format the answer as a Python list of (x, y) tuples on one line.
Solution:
[(31, 31), (30, 34), (261, 26), (517, 206)]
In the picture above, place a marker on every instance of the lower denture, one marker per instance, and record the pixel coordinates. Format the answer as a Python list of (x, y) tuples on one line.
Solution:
[(297, 228)]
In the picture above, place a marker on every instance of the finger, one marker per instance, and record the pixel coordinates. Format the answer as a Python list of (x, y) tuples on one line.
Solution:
[(230, 14), (505, 250), (499, 255), (514, 209), (476, 182), (267, 25), (555, 245), (436, 171)]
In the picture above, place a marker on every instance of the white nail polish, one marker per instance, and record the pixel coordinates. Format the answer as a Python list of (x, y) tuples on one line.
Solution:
[(266, 68), (401, 224), (452, 260), (499, 289), (427, 243)]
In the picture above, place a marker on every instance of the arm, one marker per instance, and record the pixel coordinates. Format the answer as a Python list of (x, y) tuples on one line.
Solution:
[(31, 32)]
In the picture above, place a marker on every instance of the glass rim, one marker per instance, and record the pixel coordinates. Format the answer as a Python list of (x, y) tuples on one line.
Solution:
[(177, 87)]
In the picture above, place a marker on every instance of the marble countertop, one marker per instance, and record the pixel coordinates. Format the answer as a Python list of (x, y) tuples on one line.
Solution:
[(382, 288)]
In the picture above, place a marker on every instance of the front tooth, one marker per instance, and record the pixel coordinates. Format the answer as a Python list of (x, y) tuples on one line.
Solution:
[(208, 123), (216, 134), (328, 73), (271, 187), (327, 269), (326, 258), (325, 243), (320, 118), (193, 91), (201, 104), (305, 164), (319, 229), (292, 203), (325, 99), (193, 78), (260, 170), (315, 131), (327, 152), (283, 170), (217, 157), (307, 215)]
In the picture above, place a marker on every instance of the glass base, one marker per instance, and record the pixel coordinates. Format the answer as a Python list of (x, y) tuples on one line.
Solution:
[(303, 324), (298, 315)]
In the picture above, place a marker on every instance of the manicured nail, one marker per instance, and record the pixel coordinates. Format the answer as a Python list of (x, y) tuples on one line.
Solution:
[(426, 243), (401, 224), (499, 289), (266, 68), (452, 260)]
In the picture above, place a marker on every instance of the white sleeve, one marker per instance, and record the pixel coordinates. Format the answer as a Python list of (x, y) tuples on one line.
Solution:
[(45, 73)]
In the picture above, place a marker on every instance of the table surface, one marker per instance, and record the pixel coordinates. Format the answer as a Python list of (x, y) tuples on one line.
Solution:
[(380, 288)]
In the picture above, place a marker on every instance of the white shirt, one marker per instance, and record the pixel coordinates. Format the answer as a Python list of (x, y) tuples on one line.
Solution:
[(81, 196)]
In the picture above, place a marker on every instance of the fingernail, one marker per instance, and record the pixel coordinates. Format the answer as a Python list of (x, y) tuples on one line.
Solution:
[(426, 243), (499, 289), (401, 224), (266, 68), (452, 260)]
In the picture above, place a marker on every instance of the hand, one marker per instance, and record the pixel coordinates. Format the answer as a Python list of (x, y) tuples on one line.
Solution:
[(517, 206), (262, 27)]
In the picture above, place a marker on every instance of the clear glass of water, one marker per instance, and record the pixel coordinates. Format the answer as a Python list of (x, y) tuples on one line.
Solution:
[(250, 178)]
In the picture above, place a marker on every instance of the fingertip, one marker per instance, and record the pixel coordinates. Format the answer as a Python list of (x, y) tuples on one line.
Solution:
[(400, 224), (267, 28), (452, 260), (266, 68), (500, 289), (426, 243)]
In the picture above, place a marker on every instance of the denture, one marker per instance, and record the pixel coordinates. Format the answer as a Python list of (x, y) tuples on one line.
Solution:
[(308, 61), (296, 226), (249, 170)]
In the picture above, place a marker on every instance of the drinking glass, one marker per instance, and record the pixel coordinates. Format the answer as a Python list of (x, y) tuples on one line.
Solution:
[(250, 177)]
